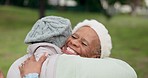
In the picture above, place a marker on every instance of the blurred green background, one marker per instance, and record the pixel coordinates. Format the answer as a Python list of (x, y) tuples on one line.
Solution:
[(129, 35)]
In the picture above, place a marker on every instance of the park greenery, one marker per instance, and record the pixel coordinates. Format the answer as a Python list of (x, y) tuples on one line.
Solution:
[(102, 6), (129, 35)]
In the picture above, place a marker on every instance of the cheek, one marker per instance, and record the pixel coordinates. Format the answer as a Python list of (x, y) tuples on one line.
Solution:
[(86, 51), (68, 40)]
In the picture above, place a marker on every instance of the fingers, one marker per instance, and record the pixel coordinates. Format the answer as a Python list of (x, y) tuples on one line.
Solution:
[(32, 57), (25, 61), (20, 68), (43, 58), (21, 71)]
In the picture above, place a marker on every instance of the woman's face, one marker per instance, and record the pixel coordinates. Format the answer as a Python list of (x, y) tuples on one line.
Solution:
[(83, 42)]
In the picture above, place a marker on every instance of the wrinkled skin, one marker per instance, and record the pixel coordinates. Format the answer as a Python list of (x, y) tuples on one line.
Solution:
[(83, 42)]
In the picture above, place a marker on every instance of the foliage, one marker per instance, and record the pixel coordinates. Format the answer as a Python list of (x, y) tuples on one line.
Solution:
[(90, 5), (23, 3), (111, 2)]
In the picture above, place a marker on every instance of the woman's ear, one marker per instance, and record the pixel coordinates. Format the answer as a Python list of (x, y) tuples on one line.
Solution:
[(97, 54)]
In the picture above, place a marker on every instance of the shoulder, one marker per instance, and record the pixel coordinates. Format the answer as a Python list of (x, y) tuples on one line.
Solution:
[(97, 68)]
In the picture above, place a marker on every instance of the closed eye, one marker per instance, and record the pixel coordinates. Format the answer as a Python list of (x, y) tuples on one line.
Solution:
[(84, 43), (74, 37)]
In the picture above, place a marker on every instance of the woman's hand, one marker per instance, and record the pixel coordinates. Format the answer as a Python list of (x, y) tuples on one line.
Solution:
[(1, 74), (31, 65)]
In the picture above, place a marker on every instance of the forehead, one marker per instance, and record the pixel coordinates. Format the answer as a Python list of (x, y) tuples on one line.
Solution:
[(87, 33)]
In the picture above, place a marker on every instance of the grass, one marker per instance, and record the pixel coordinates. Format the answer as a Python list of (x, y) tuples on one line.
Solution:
[(129, 35)]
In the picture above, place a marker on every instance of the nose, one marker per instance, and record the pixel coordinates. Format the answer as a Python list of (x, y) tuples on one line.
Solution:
[(75, 43)]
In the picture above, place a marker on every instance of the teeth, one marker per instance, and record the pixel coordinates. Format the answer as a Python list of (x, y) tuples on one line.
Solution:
[(69, 49)]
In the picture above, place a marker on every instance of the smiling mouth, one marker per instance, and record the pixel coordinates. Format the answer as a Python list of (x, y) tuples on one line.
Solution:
[(68, 50)]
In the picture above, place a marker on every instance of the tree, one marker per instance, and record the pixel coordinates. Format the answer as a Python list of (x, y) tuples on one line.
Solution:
[(90, 5), (135, 4), (7, 2), (42, 4)]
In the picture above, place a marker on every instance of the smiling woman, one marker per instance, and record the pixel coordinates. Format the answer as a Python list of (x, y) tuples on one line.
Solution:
[(85, 35), (83, 42), (87, 39), (99, 36)]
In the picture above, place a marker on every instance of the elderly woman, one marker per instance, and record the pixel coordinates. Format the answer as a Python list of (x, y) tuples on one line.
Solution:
[(48, 34), (89, 39)]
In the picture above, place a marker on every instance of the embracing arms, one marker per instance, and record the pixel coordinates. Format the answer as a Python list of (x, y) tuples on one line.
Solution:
[(31, 67)]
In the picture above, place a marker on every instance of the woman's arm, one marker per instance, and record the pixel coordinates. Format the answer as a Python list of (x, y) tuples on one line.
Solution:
[(32, 66)]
